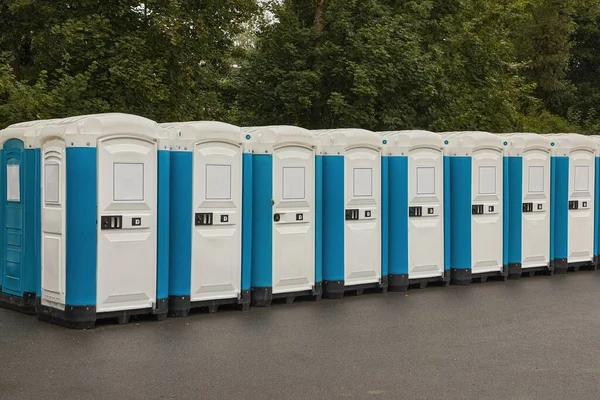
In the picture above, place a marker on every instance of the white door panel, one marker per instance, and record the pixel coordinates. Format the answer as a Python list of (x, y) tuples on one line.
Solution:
[(581, 219), (363, 216), (216, 247), (536, 209), (293, 219), (127, 177), (486, 225), (425, 201), (53, 224)]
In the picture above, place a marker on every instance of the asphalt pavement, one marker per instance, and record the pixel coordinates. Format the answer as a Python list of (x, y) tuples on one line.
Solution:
[(534, 338)]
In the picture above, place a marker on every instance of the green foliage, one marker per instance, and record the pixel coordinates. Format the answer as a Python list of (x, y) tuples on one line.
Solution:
[(502, 65)]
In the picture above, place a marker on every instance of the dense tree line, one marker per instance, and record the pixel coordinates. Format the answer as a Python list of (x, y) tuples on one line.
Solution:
[(497, 65)]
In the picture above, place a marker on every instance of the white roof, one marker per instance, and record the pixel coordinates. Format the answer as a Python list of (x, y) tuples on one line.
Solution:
[(261, 139), (472, 140), (521, 141), (85, 129), (347, 137), (572, 140), (26, 131), (411, 138), (193, 131)]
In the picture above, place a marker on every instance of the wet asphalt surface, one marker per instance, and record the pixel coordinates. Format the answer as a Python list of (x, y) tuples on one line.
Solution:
[(535, 338)]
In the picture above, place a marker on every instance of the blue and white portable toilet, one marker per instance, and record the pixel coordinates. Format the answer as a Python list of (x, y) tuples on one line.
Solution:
[(207, 267), (477, 206), (105, 219), (529, 188), (284, 213), (353, 252), (20, 215), (573, 180), (415, 182)]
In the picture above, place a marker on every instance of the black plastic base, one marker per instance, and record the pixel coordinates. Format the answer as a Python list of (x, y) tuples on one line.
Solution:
[(515, 270), (460, 276), (560, 265), (263, 297), (337, 289), (24, 304), (180, 306), (422, 283), (398, 283), (84, 317), (576, 266), (596, 262)]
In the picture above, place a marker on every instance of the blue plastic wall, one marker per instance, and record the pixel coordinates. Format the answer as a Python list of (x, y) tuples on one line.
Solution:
[(247, 202), (447, 216), (318, 219), (560, 208), (398, 215), (262, 221), (515, 211), (385, 191), (460, 214), (81, 235), (180, 226), (162, 226), (333, 218), (597, 209)]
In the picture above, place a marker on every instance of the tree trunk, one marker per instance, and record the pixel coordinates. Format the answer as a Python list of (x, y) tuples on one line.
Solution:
[(319, 16)]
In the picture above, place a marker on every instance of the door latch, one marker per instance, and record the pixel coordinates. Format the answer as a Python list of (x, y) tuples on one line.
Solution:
[(352, 215), (415, 211), (477, 209), (527, 207), (111, 222), (574, 205), (204, 219)]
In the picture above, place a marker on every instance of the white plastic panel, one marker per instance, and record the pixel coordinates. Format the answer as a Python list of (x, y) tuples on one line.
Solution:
[(217, 249), (128, 182), (581, 221), (52, 183), (293, 229), (218, 182), (53, 225), (487, 180), (426, 233), (486, 229), (535, 180), (362, 182), (536, 224), (425, 177), (293, 183), (13, 183), (126, 269), (582, 178), (363, 236)]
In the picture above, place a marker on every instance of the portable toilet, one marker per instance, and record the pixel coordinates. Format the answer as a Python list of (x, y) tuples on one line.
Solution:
[(573, 180), (105, 219), (352, 214), (20, 216), (416, 231), (529, 190), (284, 238), (207, 220), (477, 194)]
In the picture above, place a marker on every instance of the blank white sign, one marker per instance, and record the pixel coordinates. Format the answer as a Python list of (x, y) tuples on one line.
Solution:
[(13, 183), (487, 180), (582, 178), (363, 182), (128, 182), (426, 180), (536, 179), (293, 183), (218, 182), (51, 183)]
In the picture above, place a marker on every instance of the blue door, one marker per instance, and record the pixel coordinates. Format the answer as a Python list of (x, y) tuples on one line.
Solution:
[(12, 210)]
